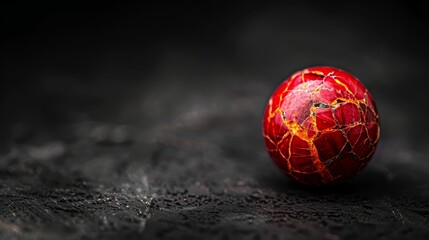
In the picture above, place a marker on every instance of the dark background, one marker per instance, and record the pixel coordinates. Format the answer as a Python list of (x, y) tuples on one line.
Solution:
[(143, 120)]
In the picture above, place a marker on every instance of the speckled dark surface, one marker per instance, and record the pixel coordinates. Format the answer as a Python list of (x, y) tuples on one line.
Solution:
[(118, 122)]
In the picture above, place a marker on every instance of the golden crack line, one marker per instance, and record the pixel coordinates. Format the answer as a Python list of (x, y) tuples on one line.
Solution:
[(320, 73), (283, 138), (321, 168), (286, 89), (290, 153), (378, 134), (317, 89), (348, 141), (367, 134), (304, 82), (269, 139), (355, 102), (289, 167), (370, 153), (343, 100), (373, 112), (342, 130), (367, 140), (288, 84), (334, 128), (344, 85), (273, 114), (296, 130), (314, 119), (360, 135)]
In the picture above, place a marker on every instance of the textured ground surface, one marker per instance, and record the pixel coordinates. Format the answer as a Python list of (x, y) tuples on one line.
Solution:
[(113, 133)]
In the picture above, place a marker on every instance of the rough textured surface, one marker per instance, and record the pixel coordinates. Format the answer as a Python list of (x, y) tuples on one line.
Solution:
[(120, 123)]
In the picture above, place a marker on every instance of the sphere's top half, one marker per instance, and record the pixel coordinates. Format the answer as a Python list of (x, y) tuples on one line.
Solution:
[(321, 126)]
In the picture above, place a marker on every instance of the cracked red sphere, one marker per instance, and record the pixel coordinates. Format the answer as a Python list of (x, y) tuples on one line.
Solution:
[(321, 126)]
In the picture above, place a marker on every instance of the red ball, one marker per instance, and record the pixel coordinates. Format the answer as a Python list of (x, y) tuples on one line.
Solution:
[(321, 126)]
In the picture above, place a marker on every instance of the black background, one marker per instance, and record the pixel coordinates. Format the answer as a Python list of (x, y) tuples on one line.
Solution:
[(144, 119)]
